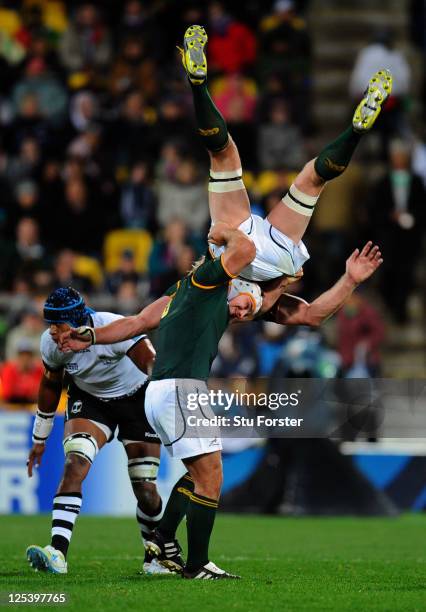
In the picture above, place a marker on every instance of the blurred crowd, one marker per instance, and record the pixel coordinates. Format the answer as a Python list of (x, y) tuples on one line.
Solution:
[(104, 183)]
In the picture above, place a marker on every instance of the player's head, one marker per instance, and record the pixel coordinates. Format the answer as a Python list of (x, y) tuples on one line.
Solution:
[(244, 299), (65, 308)]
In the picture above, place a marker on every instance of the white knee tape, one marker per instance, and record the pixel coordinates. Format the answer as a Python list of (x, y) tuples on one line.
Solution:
[(82, 444), (226, 186), (218, 176), (143, 468), (300, 202), (224, 182)]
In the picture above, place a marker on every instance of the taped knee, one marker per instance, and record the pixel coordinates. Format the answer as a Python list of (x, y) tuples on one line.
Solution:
[(224, 182), (300, 202), (143, 469), (82, 444)]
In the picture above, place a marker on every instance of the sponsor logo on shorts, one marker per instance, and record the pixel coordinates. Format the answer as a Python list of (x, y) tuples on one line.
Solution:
[(148, 434), (72, 366), (76, 407)]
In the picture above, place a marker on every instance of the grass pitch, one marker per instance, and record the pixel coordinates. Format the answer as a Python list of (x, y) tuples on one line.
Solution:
[(286, 564)]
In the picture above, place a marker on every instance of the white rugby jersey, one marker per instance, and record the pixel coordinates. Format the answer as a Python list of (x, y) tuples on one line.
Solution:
[(101, 370)]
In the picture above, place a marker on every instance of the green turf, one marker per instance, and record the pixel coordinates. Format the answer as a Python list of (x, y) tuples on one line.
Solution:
[(286, 564)]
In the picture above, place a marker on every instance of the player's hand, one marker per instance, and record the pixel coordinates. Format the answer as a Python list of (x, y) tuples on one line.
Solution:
[(218, 233), (74, 341), (34, 458), (361, 265)]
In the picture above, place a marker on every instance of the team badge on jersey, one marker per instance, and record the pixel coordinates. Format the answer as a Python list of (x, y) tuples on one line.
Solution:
[(76, 407)]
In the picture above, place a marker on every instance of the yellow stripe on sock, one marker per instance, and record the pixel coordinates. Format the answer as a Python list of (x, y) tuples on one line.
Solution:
[(184, 492), (204, 502)]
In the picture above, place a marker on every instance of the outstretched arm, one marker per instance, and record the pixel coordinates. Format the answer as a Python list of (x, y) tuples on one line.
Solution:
[(118, 331), (49, 395), (290, 310)]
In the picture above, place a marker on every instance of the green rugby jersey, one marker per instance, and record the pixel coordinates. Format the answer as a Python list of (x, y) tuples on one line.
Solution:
[(193, 323)]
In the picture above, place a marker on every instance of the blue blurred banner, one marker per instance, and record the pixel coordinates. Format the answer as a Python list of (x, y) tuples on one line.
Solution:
[(106, 490)]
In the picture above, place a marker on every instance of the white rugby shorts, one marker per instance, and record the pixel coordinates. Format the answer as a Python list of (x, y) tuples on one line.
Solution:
[(276, 253), (168, 405)]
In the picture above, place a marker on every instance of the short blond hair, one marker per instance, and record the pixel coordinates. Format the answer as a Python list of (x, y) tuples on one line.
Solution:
[(197, 264)]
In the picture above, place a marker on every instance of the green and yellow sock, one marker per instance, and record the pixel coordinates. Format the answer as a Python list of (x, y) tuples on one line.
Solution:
[(335, 157), (176, 507), (210, 123), (200, 518)]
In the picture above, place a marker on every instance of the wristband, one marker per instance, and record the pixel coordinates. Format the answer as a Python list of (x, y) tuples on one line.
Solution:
[(87, 332), (42, 427)]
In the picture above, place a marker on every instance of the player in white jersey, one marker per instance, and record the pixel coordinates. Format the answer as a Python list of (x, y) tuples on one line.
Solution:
[(106, 391), (280, 252)]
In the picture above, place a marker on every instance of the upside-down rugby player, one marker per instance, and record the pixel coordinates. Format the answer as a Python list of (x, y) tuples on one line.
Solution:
[(192, 317), (106, 391), (280, 252)]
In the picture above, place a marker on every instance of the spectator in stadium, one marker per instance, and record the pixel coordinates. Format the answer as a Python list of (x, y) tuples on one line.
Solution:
[(29, 329), (166, 253), (79, 217), (284, 22), (139, 21), (360, 335), (29, 254), (236, 96), (138, 202), (280, 143), (134, 69), (128, 299), (173, 123), (51, 195), (64, 274), (185, 260), (27, 163), (86, 43), (83, 110), (20, 377), (28, 122), (26, 203), (50, 97), (170, 158), (132, 136), (184, 197), (232, 46), (39, 37), (285, 54), (85, 147), (398, 216), (135, 18), (125, 273)]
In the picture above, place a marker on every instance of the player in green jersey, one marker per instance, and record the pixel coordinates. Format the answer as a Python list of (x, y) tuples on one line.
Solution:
[(191, 318), (189, 331)]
